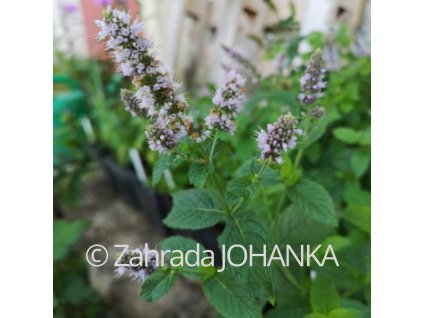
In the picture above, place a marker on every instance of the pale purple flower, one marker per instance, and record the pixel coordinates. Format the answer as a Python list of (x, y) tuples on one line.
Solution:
[(228, 100), (126, 68), (156, 92), (160, 138), (312, 83), (146, 101), (279, 137), (144, 262)]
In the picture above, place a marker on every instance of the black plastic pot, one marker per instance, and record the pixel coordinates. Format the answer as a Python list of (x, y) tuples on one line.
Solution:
[(132, 191)]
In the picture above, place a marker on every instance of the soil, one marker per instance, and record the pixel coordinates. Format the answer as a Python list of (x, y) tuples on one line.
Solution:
[(114, 222)]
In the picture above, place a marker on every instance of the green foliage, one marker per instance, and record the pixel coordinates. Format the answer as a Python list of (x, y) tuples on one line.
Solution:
[(158, 284), (193, 209), (323, 296), (65, 235), (313, 200), (198, 173), (72, 293), (319, 195), (229, 297)]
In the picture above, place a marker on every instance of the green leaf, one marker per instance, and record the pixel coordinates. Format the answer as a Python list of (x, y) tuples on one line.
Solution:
[(351, 136), (186, 244), (289, 306), (298, 228), (360, 162), (193, 209), (343, 313), (243, 187), (65, 234), (245, 228), (313, 200), (365, 137), (164, 162), (354, 195), (75, 291), (198, 174), (229, 297), (323, 295), (181, 243), (359, 215), (286, 167), (347, 135), (157, 285)]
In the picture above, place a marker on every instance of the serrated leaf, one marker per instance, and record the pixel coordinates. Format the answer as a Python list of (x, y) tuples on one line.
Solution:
[(252, 168), (192, 209), (323, 295), (298, 228), (198, 174), (158, 285), (183, 244), (239, 188), (313, 200), (229, 297), (247, 230)]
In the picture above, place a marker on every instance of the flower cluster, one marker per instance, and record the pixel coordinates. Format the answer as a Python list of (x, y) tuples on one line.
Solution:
[(312, 82), (139, 263), (228, 100), (155, 97), (280, 136)]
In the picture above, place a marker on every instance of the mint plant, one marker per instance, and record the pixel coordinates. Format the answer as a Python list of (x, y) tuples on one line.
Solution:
[(263, 196)]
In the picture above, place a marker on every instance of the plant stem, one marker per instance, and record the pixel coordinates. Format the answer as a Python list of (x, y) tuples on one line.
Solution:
[(281, 201), (213, 147), (216, 183), (298, 158), (262, 169), (301, 151)]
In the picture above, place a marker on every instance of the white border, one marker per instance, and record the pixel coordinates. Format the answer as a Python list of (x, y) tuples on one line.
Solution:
[(397, 173), (26, 158)]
